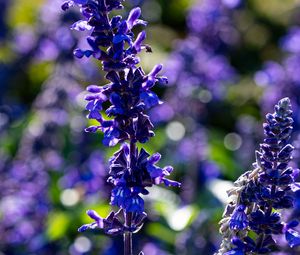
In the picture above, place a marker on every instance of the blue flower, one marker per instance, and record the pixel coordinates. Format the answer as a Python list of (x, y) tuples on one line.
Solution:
[(292, 236), (124, 100), (134, 204), (238, 219), (268, 187), (150, 99), (119, 195), (242, 246)]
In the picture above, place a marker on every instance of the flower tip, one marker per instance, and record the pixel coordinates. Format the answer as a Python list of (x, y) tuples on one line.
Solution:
[(91, 129), (133, 16), (285, 103), (78, 53), (92, 214), (159, 67), (93, 89), (135, 12), (292, 224), (83, 228), (141, 36), (156, 69), (89, 211), (170, 183), (82, 2)]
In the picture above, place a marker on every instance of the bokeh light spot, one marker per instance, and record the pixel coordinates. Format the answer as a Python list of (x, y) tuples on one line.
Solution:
[(82, 244), (69, 197), (232, 141), (205, 96), (175, 131), (180, 218)]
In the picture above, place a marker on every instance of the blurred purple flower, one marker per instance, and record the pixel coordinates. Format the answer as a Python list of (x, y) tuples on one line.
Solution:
[(199, 72), (25, 203)]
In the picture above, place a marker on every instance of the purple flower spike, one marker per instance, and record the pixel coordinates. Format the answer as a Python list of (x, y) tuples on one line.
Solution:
[(258, 193), (124, 100)]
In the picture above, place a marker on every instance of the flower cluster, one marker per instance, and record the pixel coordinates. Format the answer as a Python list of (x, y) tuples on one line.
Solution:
[(199, 61), (119, 109), (212, 22), (282, 78), (25, 179), (199, 73), (275, 79), (279, 78), (259, 194)]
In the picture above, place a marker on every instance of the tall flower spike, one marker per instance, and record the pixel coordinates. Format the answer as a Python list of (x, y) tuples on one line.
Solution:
[(129, 94), (259, 194)]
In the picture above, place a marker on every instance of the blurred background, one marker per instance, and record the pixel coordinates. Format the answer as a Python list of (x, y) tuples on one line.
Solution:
[(228, 62)]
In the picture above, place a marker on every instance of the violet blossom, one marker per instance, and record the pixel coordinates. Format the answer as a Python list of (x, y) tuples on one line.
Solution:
[(199, 61), (278, 78), (25, 179), (200, 73), (261, 194), (129, 95)]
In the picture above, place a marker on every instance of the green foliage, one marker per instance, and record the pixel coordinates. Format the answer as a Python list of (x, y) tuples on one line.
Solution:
[(57, 225), (24, 12)]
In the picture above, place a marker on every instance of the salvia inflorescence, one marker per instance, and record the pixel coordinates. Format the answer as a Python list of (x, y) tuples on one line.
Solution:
[(128, 95), (253, 218)]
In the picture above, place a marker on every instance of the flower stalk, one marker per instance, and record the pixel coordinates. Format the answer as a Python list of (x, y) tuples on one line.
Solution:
[(128, 95), (253, 216)]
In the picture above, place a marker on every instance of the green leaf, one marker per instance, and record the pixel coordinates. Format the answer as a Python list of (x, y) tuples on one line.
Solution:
[(24, 12)]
